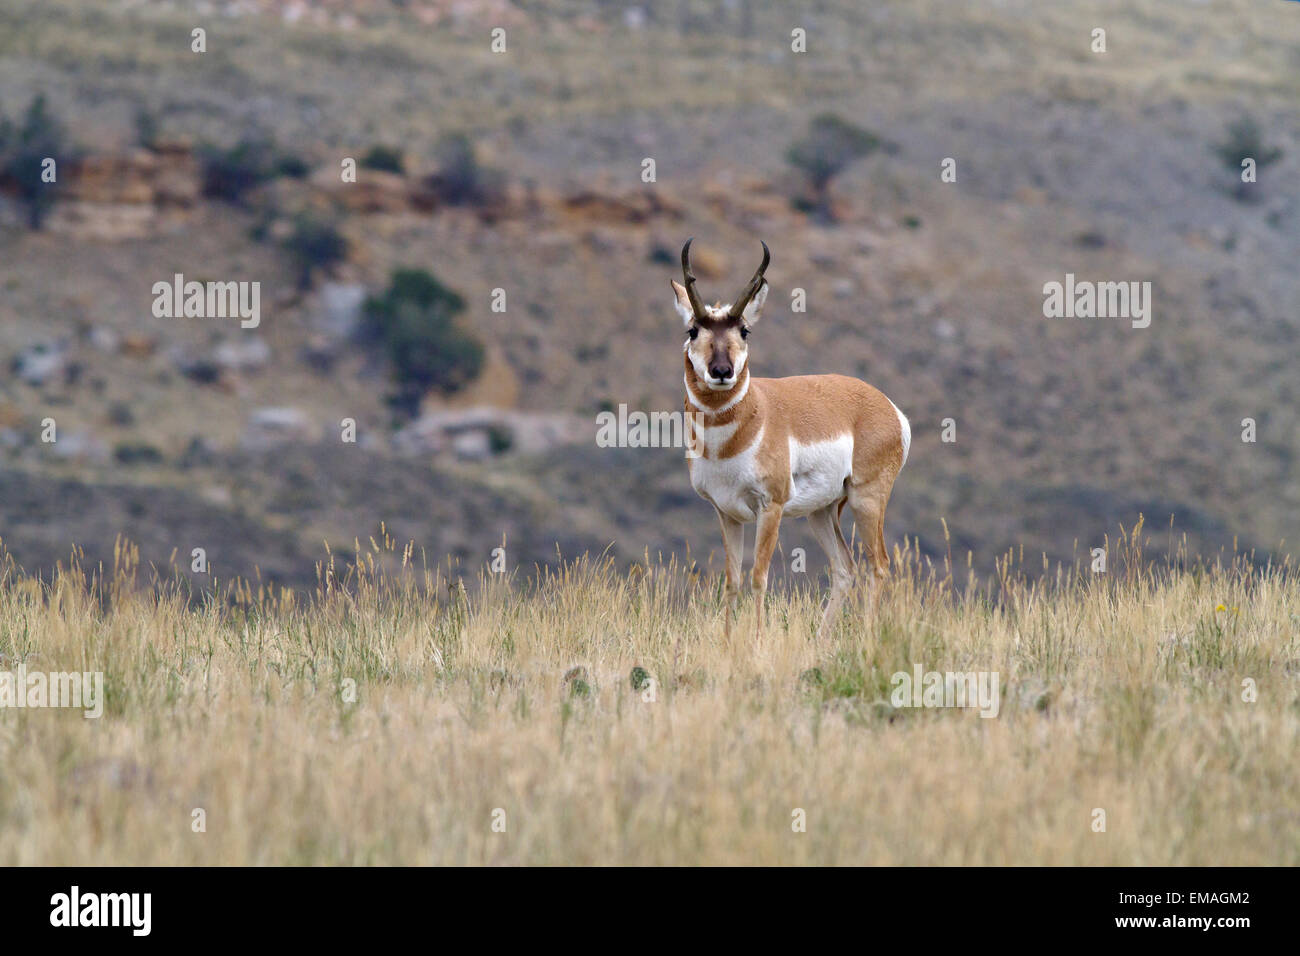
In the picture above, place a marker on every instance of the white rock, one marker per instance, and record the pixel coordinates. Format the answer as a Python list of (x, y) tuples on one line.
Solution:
[(276, 426), (40, 364), (340, 307), (243, 354)]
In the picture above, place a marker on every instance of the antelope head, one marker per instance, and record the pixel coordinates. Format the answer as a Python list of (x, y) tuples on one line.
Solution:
[(716, 334)]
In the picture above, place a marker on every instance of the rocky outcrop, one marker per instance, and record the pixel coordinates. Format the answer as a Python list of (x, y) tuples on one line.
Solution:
[(146, 192), (476, 433), (128, 195), (375, 191), (626, 207)]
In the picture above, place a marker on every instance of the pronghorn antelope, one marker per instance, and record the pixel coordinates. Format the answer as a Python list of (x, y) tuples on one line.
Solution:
[(768, 448)]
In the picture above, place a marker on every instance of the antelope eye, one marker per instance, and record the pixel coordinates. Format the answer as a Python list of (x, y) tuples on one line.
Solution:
[(744, 332), (694, 331)]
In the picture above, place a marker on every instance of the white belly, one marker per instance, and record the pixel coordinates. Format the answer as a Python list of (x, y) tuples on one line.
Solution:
[(817, 474)]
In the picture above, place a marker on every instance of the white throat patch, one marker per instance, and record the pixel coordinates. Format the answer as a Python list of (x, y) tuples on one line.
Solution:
[(726, 406)]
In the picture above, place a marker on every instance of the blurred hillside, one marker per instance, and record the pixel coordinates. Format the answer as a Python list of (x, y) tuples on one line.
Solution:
[(184, 432)]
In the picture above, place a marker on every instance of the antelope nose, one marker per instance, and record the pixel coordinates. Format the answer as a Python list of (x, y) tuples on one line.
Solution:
[(720, 372)]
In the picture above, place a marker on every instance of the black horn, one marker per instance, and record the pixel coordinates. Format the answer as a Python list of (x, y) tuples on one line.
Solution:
[(691, 294), (756, 283)]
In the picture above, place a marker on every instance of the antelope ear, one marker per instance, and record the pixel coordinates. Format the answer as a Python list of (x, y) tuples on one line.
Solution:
[(683, 303), (754, 310)]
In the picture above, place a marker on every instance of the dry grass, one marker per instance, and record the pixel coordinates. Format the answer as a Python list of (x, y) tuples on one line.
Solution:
[(1122, 692)]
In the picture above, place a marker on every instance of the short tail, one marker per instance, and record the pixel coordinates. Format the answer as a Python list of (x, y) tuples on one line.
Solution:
[(905, 429)]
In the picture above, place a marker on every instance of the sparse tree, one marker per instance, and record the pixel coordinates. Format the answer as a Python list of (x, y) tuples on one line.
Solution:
[(414, 321), (831, 145), (461, 179), (24, 149)]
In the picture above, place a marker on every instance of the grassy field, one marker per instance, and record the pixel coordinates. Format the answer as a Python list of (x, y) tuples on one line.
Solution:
[(1121, 692)]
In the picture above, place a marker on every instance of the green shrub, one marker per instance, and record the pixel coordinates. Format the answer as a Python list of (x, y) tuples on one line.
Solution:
[(1245, 139), (228, 174), (292, 166), (23, 151), (500, 439), (414, 321), (384, 158), (137, 453), (315, 244)]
